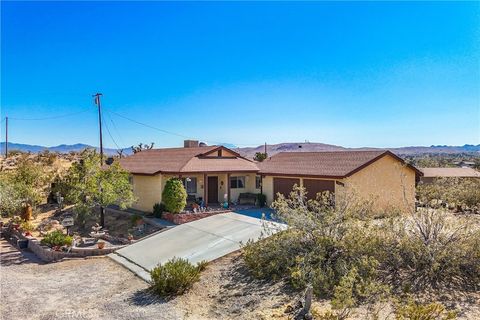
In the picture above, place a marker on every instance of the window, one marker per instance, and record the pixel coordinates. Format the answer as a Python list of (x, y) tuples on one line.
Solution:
[(190, 185), (258, 182), (237, 182)]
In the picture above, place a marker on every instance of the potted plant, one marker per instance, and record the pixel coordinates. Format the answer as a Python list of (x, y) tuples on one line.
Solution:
[(100, 244)]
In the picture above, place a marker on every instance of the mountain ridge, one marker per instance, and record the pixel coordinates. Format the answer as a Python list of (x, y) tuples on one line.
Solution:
[(272, 149)]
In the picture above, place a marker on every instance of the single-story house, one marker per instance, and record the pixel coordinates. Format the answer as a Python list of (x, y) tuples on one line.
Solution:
[(217, 174), (430, 174)]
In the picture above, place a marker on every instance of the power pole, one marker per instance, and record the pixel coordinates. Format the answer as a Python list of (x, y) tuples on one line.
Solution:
[(97, 102), (6, 137)]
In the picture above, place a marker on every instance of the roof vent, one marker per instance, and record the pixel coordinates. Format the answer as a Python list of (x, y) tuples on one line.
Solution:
[(190, 143)]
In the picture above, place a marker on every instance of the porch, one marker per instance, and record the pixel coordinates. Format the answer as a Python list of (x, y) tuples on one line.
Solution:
[(214, 189)]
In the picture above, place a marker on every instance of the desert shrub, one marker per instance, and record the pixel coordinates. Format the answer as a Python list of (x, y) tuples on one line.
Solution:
[(427, 250), (412, 310), (57, 238), (27, 226), (158, 210), (174, 196), (313, 251), (175, 277), (353, 259), (458, 193)]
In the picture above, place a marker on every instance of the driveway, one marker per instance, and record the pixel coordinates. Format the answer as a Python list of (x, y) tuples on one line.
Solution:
[(206, 239)]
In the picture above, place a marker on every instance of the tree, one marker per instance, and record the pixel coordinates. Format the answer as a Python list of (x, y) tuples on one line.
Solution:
[(142, 147), (87, 184), (260, 156), (174, 195), (28, 184)]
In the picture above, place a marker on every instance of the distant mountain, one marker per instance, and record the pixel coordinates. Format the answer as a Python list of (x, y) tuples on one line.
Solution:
[(63, 148), (249, 152)]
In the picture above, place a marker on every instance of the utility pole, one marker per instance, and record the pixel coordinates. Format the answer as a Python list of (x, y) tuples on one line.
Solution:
[(97, 102), (6, 137)]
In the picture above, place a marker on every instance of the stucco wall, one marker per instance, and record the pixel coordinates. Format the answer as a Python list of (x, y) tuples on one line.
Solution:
[(387, 182), (148, 190)]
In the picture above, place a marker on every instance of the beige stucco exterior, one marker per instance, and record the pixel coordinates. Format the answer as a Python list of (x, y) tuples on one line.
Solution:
[(387, 182), (147, 190)]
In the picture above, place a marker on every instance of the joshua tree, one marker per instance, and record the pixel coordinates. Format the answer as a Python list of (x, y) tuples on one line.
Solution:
[(142, 147)]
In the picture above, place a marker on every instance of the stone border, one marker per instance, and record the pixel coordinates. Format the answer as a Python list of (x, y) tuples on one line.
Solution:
[(46, 254), (180, 218)]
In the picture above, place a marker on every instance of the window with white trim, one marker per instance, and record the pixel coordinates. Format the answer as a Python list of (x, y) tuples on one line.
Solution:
[(237, 182), (190, 185)]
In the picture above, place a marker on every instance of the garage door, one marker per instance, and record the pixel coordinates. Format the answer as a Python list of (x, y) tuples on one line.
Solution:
[(284, 186), (315, 186)]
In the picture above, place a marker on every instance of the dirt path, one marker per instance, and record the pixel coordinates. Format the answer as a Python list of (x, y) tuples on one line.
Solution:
[(74, 289)]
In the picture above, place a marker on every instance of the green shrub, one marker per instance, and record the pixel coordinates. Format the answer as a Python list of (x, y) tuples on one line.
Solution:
[(27, 226), (135, 218), (261, 200), (175, 277), (158, 210), (82, 215), (57, 238), (174, 195)]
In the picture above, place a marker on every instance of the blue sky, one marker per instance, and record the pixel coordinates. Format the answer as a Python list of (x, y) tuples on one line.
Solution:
[(352, 74)]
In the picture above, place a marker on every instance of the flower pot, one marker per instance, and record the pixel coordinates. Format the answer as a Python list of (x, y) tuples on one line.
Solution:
[(101, 245)]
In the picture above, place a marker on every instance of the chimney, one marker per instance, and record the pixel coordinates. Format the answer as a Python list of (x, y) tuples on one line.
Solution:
[(190, 143)]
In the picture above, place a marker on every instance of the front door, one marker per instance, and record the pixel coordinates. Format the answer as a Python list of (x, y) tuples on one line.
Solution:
[(212, 189)]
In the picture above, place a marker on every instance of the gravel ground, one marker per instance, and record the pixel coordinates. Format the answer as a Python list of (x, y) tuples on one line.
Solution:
[(100, 289), (74, 289)]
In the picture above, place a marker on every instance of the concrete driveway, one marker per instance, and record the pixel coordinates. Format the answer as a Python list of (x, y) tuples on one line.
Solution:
[(205, 239)]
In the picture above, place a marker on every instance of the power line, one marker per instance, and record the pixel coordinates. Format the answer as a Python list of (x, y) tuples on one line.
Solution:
[(149, 126), (110, 134), (162, 130), (49, 118), (116, 129)]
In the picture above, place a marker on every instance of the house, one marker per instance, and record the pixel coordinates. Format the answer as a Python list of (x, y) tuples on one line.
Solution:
[(380, 176), (217, 174), (430, 174), (464, 164)]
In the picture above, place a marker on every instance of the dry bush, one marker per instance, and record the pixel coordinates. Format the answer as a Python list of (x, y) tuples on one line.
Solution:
[(456, 193), (353, 259)]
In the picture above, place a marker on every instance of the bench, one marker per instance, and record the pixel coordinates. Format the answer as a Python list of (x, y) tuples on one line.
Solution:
[(247, 198)]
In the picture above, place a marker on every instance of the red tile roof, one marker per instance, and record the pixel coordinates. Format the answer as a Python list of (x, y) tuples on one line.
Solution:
[(178, 160), (335, 164)]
